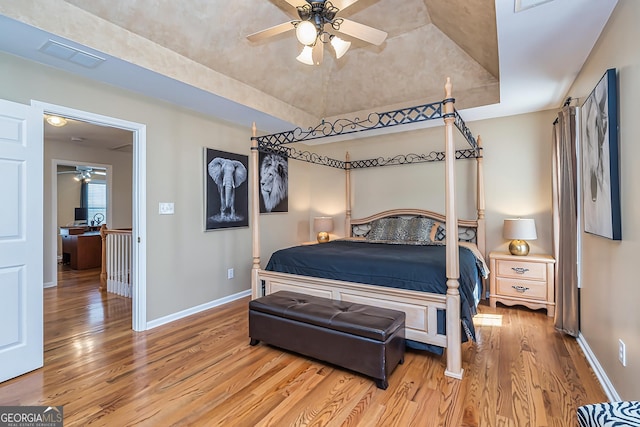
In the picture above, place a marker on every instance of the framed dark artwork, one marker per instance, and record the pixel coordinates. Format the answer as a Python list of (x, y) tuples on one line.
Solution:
[(226, 190), (274, 183), (600, 159)]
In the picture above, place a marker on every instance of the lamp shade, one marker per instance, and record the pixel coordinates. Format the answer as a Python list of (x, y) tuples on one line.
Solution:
[(340, 46), (519, 229), (306, 56), (306, 33), (323, 224)]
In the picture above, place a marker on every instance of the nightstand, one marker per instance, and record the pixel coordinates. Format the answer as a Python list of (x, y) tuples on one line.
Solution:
[(525, 280)]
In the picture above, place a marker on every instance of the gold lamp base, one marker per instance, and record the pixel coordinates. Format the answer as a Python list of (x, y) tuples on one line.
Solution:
[(323, 237), (519, 247)]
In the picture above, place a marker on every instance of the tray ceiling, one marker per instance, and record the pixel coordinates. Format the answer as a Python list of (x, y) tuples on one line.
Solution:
[(428, 41)]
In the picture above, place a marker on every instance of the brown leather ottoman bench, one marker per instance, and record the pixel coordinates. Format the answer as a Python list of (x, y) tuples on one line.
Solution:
[(362, 338)]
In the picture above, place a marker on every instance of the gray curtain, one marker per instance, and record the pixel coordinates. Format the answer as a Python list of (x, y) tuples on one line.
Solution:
[(565, 218)]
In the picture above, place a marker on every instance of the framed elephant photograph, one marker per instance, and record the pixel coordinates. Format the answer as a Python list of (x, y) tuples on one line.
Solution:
[(226, 189)]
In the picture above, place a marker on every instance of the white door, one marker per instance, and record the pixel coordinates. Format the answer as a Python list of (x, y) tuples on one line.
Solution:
[(21, 239)]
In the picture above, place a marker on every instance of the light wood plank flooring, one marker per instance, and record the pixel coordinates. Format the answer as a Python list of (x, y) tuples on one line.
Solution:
[(201, 371)]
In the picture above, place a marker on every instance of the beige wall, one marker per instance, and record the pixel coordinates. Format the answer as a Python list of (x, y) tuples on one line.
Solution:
[(517, 159), (68, 189), (610, 289), (68, 199), (121, 174), (186, 266)]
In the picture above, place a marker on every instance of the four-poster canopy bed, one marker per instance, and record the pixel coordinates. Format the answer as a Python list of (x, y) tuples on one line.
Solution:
[(423, 308)]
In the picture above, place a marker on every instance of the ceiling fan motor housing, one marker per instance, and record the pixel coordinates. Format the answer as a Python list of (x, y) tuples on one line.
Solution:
[(318, 12)]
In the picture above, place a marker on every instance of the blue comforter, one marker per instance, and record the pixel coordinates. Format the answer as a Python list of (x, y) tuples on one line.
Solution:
[(413, 267)]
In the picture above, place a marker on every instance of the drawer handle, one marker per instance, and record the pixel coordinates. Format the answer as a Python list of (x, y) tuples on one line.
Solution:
[(520, 270), (520, 289)]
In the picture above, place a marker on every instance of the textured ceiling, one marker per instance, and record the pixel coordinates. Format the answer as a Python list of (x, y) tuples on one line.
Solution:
[(428, 41), (90, 135)]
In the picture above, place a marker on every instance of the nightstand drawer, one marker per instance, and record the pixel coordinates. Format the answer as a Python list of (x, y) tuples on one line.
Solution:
[(521, 269), (521, 288)]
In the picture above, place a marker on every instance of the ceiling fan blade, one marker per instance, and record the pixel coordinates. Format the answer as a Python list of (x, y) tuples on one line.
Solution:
[(270, 32), (343, 4), (296, 3), (362, 32), (318, 53)]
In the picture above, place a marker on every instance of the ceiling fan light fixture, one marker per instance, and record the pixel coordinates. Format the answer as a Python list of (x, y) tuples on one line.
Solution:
[(306, 56), (56, 121), (339, 46), (306, 33)]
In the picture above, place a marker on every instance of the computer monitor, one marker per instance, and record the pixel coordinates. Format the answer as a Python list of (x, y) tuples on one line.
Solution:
[(81, 215)]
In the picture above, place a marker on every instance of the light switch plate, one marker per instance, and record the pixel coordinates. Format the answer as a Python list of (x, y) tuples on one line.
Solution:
[(165, 208)]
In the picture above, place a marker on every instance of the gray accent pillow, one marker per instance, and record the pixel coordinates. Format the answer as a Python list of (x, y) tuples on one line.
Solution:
[(384, 229), (401, 230), (419, 229)]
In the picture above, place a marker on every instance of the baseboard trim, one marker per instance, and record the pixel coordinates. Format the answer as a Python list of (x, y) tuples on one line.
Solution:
[(49, 285), (609, 390), (197, 309)]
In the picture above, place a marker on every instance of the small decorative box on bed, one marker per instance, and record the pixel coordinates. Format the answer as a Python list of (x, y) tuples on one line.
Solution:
[(362, 338)]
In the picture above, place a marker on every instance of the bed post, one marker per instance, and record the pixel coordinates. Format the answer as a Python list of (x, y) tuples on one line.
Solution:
[(256, 291), (481, 238), (481, 230), (454, 349), (347, 220)]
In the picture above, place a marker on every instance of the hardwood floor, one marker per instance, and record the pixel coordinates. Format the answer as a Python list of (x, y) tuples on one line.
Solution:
[(201, 371)]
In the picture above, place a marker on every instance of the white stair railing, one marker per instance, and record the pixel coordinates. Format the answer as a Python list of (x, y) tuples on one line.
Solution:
[(116, 261)]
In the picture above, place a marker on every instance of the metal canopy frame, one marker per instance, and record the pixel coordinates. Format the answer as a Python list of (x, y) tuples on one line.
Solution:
[(278, 142)]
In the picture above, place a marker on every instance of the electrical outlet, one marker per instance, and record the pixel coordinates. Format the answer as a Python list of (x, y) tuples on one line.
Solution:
[(622, 353), (230, 273)]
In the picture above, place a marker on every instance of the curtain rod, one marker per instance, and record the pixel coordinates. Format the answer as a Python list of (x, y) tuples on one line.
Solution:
[(569, 100)]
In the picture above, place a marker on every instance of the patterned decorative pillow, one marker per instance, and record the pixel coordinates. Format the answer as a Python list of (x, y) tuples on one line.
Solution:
[(419, 229), (438, 232), (383, 229), (626, 413), (401, 230)]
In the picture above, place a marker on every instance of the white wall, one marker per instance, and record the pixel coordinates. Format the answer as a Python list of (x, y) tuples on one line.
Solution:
[(610, 288)]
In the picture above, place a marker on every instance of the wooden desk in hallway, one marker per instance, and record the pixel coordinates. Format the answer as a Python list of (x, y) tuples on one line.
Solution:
[(82, 251)]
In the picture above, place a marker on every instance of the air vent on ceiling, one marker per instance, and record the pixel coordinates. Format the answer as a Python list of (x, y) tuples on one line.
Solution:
[(521, 5), (71, 54)]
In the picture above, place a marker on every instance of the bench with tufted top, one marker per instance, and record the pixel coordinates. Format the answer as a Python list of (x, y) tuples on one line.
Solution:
[(362, 338)]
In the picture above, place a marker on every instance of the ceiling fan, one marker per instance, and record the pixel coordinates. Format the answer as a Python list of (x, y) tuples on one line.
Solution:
[(84, 173), (311, 32)]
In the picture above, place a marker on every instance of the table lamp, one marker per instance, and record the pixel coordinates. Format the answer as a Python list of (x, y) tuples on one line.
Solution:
[(519, 230), (323, 225)]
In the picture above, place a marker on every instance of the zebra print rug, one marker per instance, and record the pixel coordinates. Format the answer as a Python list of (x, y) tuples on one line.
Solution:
[(618, 414)]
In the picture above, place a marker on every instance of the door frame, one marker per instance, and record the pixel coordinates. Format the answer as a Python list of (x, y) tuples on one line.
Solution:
[(54, 204), (139, 190)]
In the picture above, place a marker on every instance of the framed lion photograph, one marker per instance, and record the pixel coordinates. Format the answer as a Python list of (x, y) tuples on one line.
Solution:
[(274, 183)]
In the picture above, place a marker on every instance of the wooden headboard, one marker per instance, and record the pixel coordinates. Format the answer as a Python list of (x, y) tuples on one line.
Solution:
[(467, 229)]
